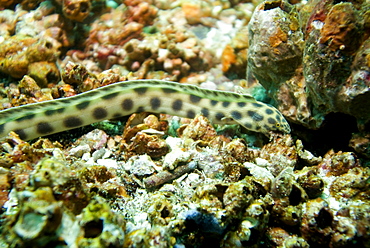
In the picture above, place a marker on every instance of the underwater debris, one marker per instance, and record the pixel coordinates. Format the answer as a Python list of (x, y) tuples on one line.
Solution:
[(167, 176)]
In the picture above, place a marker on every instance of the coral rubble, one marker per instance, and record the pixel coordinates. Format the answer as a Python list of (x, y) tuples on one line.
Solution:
[(163, 181)]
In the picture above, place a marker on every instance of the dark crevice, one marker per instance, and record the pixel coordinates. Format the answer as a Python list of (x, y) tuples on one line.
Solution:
[(324, 219), (93, 228), (295, 196), (335, 133), (272, 5)]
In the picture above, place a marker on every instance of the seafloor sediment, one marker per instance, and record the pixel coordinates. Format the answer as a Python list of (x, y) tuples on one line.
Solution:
[(163, 181)]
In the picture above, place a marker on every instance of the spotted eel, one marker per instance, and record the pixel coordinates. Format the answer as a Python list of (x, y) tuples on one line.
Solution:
[(127, 97)]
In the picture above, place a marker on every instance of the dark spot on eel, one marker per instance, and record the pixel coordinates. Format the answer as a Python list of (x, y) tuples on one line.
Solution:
[(141, 90), (248, 125), (255, 116), (127, 104), (53, 111), (177, 105), (258, 117), (269, 111), (72, 121), (271, 120), (100, 113), (251, 113), (205, 112), (26, 117), (155, 103), (82, 105), (242, 104), (21, 133), (110, 96), (219, 116), (225, 104), (140, 109), (190, 114), (236, 115), (194, 98), (168, 90), (257, 105), (44, 128)]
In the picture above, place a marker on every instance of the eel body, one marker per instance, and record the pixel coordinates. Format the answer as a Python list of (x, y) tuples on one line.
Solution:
[(127, 97)]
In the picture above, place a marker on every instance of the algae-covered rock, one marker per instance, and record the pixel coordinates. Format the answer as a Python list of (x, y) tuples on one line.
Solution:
[(37, 220), (276, 44), (312, 59), (328, 56), (275, 51), (18, 52), (101, 227)]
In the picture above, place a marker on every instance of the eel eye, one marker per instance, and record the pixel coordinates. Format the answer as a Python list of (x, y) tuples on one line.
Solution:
[(277, 125)]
